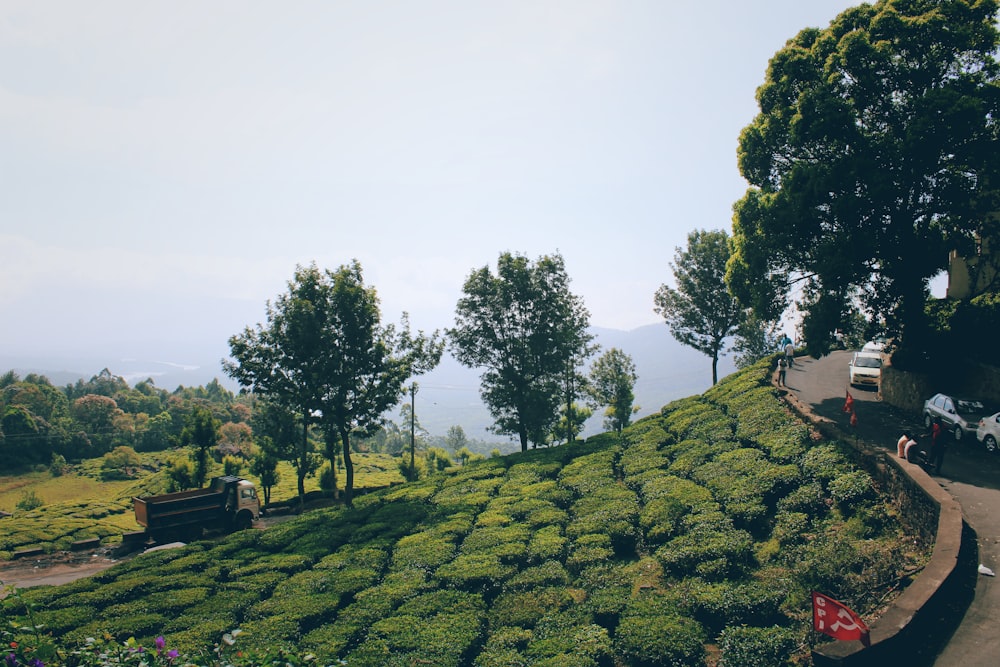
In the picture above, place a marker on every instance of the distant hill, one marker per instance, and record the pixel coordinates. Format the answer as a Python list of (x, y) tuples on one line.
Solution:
[(447, 396)]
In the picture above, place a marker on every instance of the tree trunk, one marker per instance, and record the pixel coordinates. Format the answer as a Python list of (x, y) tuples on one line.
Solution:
[(303, 466), (715, 369), (348, 469), (331, 454)]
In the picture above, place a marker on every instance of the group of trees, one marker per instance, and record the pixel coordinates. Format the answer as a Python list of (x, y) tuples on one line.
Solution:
[(872, 158), (324, 363), (91, 418)]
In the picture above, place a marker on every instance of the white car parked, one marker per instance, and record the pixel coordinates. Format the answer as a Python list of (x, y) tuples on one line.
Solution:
[(988, 432), (865, 368)]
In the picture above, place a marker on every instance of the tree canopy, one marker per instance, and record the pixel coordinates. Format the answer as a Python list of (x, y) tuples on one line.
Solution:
[(872, 157), (524, 327), (700, 311)]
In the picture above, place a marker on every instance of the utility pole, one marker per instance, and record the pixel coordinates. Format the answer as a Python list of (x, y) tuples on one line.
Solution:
[(413, 432)]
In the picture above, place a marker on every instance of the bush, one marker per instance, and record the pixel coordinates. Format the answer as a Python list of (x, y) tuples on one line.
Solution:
[(232, 465), (756, 647), (526, 608), (29, 500), (652, 641), (851, 489)]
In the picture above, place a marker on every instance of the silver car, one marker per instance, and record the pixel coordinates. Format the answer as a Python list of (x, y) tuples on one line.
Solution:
[(988, 432), (959, 415)]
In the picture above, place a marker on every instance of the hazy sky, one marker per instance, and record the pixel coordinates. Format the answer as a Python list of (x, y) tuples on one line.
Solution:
[(165, 165)]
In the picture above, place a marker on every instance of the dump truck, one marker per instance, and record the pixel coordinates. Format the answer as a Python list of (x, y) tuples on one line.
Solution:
[(228, 503)]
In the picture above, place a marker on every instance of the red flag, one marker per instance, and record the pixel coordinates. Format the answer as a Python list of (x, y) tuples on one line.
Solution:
[(833, 618), (848, 402)]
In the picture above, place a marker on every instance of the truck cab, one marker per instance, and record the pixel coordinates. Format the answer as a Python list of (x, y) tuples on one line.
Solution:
[(243, 504)]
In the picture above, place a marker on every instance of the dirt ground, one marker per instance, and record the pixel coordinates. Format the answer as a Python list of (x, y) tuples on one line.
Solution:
[(56, 568)]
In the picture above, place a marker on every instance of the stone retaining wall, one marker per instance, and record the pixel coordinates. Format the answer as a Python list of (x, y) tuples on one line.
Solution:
[(904, 633), (908, 390)]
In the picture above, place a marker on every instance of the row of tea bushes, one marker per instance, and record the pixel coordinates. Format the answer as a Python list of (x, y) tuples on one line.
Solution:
[(692, 531)]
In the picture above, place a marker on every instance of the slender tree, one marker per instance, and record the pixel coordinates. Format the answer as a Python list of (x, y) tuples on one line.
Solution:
[(522, 326), (700, 311), (281, 362), (873, 155), (281, 437), (612, 384), (456, 438), (365, 370), (201, 433)]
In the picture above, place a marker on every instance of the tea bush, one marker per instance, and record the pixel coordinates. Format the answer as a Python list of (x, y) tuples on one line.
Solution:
[(714, 515), (742, 646), (651, 641), (547, 543)]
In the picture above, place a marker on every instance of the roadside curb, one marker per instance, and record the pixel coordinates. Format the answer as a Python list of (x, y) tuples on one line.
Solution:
[(904, 631)]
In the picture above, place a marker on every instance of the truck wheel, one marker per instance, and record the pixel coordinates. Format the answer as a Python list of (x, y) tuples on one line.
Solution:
[(243, 521)]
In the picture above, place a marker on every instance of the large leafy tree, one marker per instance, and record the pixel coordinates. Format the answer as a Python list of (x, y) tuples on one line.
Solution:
[(700, 311), (873, 155), (326, 355), (612, 384), (524, 327)]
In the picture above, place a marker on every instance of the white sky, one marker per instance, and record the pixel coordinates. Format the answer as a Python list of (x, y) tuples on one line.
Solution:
[(165, 165)]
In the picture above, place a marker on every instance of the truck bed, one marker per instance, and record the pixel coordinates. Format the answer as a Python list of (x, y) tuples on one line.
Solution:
[(181, 508)]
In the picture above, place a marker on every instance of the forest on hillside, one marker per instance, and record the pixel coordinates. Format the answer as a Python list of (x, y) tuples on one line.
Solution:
[(45, 427)]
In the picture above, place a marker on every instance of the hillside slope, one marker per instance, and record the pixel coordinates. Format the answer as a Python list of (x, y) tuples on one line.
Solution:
[(703, 531)]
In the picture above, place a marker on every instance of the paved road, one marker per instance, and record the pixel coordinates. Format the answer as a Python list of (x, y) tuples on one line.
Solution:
[(969, 474)]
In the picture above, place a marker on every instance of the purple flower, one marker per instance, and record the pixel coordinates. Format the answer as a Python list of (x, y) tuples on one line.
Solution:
[(35, 662), (172, 655), (160, 643), (11, 660)]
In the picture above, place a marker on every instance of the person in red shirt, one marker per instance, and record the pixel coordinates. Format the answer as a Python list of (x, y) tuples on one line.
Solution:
[(937, 447)]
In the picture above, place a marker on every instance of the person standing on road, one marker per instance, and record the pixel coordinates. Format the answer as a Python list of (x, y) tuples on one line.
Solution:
[(937, 446), (790, 353), (782, 368)]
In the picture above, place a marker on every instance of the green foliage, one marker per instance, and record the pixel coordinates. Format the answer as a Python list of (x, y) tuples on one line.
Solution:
[(743, 646), (700, 311), (29, 500), (539, 558), (826, 200), (233, 465), (851, 489), (612, 383), (653, 639), (525, 328)]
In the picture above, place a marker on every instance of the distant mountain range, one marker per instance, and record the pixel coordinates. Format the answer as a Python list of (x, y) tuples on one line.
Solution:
[(447, 396)]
